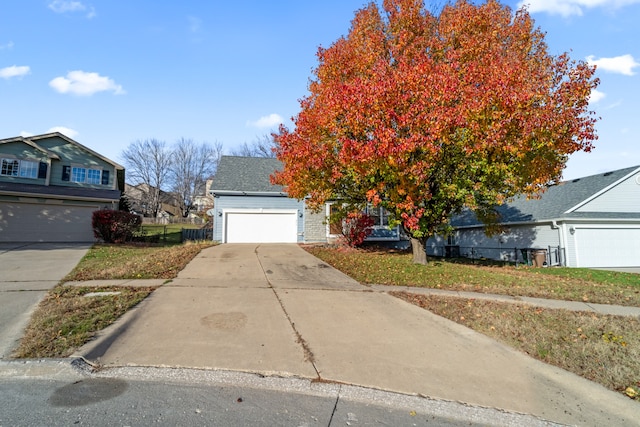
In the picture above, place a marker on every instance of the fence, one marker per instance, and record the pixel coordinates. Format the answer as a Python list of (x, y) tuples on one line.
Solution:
[(197, 234), (551, 256), (173, 220)]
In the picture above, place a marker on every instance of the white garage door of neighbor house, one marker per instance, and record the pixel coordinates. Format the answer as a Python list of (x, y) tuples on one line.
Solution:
[(608, 247), (36, 222), (263, 227)]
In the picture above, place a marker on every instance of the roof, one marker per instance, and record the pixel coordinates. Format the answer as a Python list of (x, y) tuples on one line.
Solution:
[(246, 176), (54, 191), (556, 202), (33, 142)]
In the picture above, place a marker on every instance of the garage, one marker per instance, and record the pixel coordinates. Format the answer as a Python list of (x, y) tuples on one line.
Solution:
[(607, 247), (45, 222), (265, 226)]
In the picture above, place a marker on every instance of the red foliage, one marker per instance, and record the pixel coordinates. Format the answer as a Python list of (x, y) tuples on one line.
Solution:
[(425, 115), (115, 226), (356, 227)]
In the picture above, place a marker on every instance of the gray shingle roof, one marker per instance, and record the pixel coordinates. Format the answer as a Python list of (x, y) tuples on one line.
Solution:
[(555, 202), (59, 192), (246, 175)]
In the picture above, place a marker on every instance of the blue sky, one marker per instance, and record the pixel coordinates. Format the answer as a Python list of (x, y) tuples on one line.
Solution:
[(109, 72)]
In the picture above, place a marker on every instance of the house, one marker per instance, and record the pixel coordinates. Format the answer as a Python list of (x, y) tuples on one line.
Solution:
[(249, 209), (140, 199), (49, 187), (587, 222)]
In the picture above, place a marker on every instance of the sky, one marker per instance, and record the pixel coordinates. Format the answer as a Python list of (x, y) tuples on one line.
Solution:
[(109, 72)]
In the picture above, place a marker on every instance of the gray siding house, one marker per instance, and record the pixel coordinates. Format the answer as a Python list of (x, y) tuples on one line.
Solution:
[(587, 222), (49, 187), (249, 209)]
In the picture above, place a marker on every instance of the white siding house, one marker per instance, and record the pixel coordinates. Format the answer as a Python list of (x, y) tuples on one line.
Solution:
[(587, 222)]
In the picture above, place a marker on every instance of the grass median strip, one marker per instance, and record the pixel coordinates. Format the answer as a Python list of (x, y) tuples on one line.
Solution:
[(604, 349), (69, 316)]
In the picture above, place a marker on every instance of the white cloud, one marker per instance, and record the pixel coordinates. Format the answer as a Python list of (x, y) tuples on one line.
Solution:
[(270, 121), (64, 130), (596, 96), (85, 84), (195, 24), (64, 6), (572, 7), (14, 71), (623, 64), (6, 46), (26, 134)]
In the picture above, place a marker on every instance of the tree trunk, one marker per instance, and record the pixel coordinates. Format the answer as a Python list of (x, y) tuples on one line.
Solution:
[(419, 251)]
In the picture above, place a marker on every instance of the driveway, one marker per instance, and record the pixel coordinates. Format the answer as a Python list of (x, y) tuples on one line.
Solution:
[(277, 310), (28, 271)]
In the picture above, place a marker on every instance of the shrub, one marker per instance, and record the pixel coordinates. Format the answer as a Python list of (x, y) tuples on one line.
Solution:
[(356, 227), (115, 226)]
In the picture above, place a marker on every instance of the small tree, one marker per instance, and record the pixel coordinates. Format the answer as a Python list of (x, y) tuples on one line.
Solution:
[(356, 227), (115, 226), (148, 162)]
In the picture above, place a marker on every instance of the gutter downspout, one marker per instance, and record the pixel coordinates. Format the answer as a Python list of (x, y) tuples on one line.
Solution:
[(561, 240)]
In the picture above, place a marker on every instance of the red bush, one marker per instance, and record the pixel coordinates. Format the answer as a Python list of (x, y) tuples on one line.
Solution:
[(115, 226), (356, 227)]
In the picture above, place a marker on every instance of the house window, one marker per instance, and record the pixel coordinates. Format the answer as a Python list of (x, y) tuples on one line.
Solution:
[(10, 167), (78, 174), (29, 169), (21, 168), (93, 176)]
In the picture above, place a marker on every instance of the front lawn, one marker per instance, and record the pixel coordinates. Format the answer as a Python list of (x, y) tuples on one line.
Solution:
[(395, 268)]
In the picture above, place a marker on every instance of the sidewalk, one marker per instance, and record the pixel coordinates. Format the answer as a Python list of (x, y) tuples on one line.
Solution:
[(278, 311)]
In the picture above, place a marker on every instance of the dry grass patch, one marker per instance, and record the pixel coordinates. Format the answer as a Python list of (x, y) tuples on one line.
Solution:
[(396, 269), (66, 318), (134, 261), (604, 349)]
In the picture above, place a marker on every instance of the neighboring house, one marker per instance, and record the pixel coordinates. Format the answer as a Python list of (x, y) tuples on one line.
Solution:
[(588, 222), (140, 201), (204, 202), (249, 209), (49, 187)]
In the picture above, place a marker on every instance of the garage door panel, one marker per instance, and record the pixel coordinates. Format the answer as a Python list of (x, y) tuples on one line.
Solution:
[(33, 222), (608, 247), (264, 227)]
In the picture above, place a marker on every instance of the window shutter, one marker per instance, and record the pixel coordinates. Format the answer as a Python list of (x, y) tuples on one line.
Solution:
[(66, 173), (42, 170), (105, 177)]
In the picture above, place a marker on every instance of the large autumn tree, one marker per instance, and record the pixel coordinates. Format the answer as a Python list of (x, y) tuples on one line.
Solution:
[(426, 114)]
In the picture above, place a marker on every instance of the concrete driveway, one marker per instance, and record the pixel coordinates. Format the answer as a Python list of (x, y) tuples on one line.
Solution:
[(28, 271), (277, 310)]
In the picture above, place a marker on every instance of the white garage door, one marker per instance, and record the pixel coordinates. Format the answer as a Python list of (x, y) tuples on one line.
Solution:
[(263, 227), (608, 247), (41, 222)]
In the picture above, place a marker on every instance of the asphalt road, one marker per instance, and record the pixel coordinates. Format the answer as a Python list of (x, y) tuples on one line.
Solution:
[(52, 393)]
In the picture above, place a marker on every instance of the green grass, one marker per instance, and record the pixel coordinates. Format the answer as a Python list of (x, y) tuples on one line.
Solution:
[(170, 234), (397, 269)]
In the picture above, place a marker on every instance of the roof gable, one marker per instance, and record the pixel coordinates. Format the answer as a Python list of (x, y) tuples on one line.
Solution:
[(31, 144), (558, 201), (40, 139), (246, 175)]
